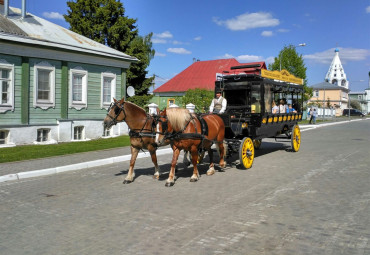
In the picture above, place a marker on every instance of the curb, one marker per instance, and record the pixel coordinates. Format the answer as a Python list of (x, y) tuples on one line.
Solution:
[(100, 162), (78, 166)]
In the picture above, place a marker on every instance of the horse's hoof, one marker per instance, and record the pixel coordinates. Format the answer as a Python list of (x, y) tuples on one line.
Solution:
[(169, 184), (211, 172), (126, 182), (156, 177), (193, 180)]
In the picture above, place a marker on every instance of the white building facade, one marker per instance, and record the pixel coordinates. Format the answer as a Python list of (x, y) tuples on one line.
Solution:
[(336, 74)]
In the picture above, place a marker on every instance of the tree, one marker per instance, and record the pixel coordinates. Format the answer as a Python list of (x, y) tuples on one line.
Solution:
[(292, 62), (104, 21), (201, 98), (355, 104)]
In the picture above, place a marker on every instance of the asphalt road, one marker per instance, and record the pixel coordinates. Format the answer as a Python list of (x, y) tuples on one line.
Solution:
[(315, 201)]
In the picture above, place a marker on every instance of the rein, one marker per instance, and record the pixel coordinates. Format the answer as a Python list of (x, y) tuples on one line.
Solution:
[(138, 133), (120, 109)]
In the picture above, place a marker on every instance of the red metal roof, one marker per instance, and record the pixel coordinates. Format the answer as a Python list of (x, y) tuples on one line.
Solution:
[(202, 74)]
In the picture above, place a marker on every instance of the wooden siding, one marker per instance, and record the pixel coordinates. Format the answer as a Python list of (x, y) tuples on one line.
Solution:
[(38, 116), (94, 110), (13, 117)]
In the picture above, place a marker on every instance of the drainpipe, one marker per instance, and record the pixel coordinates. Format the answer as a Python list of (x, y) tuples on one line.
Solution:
[(23, 9), (6, 8)]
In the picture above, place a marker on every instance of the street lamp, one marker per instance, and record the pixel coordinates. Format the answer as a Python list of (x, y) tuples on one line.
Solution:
[(299, 45)]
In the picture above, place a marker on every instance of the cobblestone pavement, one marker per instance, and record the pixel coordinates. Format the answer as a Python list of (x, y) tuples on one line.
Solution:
[(315, 201)]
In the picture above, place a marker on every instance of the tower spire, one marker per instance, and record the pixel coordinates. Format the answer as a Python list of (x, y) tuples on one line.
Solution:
[(336, 74)]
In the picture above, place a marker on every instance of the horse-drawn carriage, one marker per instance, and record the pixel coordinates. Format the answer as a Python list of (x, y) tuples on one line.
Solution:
[(249, 117)]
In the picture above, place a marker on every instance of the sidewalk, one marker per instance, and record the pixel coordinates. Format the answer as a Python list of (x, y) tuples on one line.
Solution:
[(46, 166), (52, 165)]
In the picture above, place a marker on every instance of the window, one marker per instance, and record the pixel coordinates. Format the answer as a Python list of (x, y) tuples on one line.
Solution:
[(78, 88), (43, 135), (78, 133), (44, 86), (316, 93), (4, 136), (170, 102), (359, 97), (6, 86), (108, 89)]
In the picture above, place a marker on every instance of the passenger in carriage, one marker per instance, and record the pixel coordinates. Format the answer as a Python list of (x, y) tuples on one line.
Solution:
[(275, 108), (218, 104), (282, 108), (291, 109)]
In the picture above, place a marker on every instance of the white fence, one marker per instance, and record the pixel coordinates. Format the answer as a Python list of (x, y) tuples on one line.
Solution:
[(323, 113)]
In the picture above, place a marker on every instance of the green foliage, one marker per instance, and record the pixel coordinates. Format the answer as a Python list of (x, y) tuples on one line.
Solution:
[(201, 98), (104, 21), (141, 48), (355, 104), (28, 152), (141, 101), (293, 62)]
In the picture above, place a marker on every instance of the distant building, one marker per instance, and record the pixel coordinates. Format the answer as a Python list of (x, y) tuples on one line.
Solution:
[(333, 92), (363, 98), (56, 85), (200, 74)]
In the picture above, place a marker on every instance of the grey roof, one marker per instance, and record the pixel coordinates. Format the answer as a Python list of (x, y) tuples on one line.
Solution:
[(38, 31), (328, 86)]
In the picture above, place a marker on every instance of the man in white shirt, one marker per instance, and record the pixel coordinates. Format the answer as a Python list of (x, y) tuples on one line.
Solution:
[(218, 104)]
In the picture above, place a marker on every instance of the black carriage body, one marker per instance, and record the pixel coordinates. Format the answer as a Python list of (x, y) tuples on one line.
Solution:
[(249, 106)]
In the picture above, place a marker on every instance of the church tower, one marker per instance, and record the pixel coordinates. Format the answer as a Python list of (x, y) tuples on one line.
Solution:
[(336, 74)]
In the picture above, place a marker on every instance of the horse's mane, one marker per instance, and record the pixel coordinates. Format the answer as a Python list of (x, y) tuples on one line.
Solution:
[(178, 117), (132, 105)]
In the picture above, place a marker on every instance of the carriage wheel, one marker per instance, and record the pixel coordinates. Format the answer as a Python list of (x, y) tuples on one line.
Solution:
[(257, 143), (246, 153), (296, 138)]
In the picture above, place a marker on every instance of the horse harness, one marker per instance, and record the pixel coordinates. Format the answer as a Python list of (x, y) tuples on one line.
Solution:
[(181, 135), (135, 133)]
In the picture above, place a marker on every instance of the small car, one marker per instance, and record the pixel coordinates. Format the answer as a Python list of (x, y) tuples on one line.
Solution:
[(352, 112)]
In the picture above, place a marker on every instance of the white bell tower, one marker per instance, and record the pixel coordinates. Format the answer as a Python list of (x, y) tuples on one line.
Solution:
[(336, 74)]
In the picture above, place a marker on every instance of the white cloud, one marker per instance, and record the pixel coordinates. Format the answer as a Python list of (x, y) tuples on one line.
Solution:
[(158, 40), (242, 58), (178, 51), (165, 34), (53, 15), (345, 55), (198, 38), (248, 21), (267, 33), (368, 9), (159, 54), (177, 42)]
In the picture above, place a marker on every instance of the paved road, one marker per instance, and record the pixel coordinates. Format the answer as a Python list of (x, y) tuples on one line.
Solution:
[(315, 201)]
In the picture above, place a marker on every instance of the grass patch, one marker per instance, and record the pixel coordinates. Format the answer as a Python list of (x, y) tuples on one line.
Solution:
[(27, 152)]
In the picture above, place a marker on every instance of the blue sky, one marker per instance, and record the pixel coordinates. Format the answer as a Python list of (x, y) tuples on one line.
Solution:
[(246, 30)]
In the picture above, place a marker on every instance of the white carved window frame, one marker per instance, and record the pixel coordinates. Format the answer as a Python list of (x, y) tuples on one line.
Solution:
[(105, 105), (9, 106), (78, 105), (49, 103)]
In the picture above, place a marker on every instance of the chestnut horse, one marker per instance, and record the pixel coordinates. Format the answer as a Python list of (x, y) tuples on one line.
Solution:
[(142, 132), (184, 130)]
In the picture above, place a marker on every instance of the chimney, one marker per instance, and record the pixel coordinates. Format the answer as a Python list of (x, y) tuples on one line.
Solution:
[(23, 8)]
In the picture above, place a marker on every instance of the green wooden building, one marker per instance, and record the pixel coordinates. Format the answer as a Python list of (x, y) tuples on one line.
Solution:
[(55, 85)]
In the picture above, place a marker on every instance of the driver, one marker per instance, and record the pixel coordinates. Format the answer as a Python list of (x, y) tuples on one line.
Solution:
[(218, 104)]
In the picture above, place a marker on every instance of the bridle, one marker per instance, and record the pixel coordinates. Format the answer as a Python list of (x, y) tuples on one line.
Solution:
[(120, 109)]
